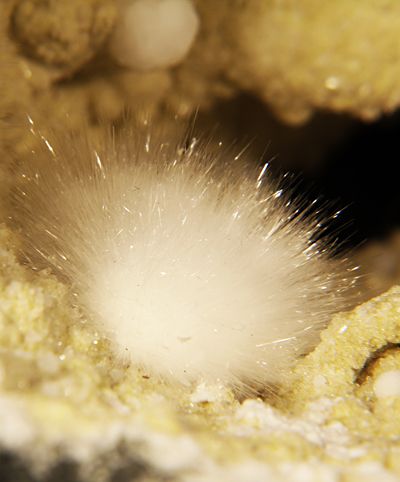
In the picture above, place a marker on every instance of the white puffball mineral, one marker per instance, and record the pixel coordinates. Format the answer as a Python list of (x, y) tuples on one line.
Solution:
[(153, 34), (193, 265)]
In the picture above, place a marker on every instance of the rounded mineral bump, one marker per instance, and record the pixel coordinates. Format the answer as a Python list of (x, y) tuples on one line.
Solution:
[(388, 384), (153, 34)]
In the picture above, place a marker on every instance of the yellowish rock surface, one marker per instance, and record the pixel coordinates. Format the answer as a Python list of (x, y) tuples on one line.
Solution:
[(299, 56)]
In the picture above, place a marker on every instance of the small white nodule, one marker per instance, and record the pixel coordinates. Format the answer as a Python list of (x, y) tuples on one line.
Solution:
[(153, 34), (388, 384)]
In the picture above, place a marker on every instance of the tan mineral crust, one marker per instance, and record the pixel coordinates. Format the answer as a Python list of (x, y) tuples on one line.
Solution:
[(63, 396), (297, 57)]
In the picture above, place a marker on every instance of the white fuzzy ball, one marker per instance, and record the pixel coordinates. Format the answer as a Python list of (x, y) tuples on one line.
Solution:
[(191, 262), (153, 34)]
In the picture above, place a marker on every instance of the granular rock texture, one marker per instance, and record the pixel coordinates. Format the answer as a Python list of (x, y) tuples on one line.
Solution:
[(64, 34), (302, 56), (296, 57)]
